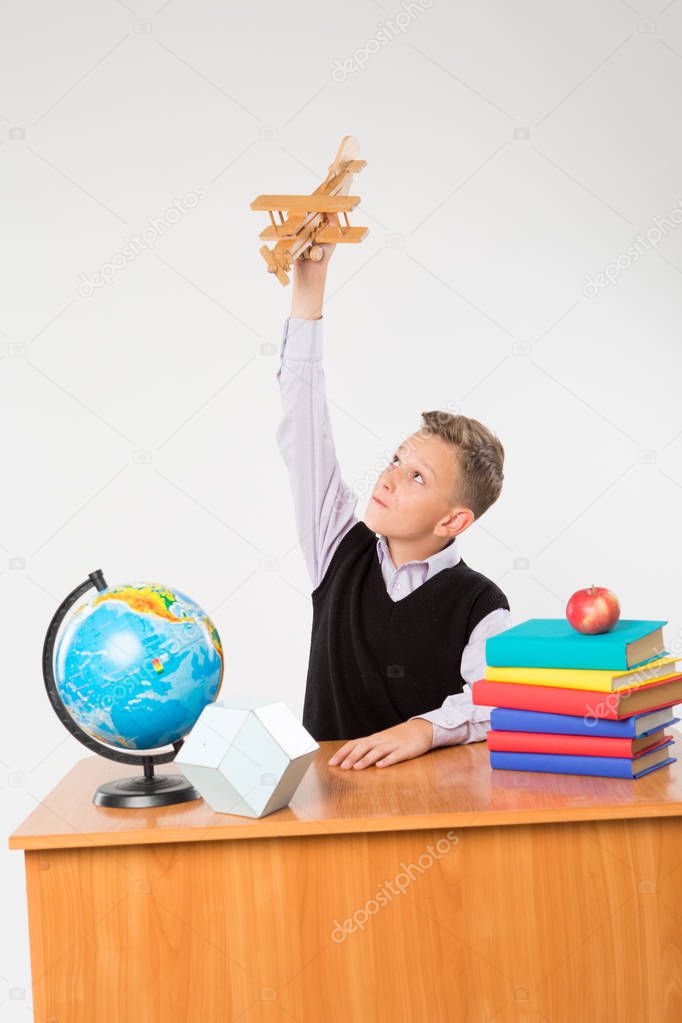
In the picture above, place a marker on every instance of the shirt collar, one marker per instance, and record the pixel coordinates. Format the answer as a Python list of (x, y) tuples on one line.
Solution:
[(445, 558)]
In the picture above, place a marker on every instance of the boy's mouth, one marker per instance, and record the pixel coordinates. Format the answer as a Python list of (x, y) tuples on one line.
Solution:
[(380, 502)]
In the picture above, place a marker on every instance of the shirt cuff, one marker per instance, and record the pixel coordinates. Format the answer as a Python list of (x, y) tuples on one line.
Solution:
[(454, 728), (449, 736), (458, 714), (442, 736), (301, 339), (467, 732)]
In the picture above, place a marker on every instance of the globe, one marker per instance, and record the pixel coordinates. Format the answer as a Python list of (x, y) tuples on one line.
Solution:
[(136, 664)]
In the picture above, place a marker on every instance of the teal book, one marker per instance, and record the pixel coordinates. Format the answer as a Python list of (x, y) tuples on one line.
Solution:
[(554, 643)]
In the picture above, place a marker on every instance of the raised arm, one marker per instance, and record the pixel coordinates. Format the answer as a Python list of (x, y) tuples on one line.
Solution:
[(324, 506)]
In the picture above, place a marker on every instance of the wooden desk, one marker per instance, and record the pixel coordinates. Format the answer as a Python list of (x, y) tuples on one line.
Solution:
[(554, 898)]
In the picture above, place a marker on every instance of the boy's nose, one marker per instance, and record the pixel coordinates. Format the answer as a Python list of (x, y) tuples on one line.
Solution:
[(387, 482)]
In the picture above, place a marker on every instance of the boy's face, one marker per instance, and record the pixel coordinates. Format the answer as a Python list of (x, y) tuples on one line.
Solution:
[(417, 492)]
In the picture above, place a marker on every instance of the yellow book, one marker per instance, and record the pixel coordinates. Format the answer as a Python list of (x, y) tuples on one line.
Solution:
[(588, 678)]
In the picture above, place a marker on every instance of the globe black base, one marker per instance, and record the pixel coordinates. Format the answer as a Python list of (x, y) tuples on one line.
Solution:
[(159, 790)]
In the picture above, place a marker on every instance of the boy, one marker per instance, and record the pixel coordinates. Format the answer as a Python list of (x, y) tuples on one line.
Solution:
[(399, 619)]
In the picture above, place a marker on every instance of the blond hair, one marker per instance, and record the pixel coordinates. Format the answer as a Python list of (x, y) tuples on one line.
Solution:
[(480, 457)]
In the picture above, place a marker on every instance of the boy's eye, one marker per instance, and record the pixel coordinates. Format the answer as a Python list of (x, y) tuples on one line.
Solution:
[(416, 472)]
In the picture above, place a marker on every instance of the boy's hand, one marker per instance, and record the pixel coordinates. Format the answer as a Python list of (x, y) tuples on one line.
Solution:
[(309, 282), (327, 252), (402, 742)]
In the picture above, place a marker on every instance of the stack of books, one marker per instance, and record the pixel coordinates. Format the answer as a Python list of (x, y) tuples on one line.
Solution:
[(570, 703)]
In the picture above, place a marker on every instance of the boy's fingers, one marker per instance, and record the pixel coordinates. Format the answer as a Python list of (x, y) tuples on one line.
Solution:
[(358, 751), (345, 751), (352, 751), (341, 753), (393, 758), (369, 758), (355, 746)]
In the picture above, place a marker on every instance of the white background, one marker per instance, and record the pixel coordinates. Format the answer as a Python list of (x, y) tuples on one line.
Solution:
[(512, 149)]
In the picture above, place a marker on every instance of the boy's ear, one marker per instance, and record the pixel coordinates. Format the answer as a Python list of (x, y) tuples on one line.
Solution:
[(455, 522)]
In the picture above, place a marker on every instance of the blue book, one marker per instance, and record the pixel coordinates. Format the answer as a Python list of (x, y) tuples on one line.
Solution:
[(554, 643), (558, 763), (508, 719)]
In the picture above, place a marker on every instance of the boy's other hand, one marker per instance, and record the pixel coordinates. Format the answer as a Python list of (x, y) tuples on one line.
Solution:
[(402, 742)]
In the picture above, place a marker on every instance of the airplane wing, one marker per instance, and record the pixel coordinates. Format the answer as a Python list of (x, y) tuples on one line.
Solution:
[(318, 202), (332, 233)]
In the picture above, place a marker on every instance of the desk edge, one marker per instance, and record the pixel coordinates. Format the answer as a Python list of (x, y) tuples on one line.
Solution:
[(267, 828)]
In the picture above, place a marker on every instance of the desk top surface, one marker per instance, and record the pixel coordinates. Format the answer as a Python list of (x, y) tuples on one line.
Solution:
[(452, 787)]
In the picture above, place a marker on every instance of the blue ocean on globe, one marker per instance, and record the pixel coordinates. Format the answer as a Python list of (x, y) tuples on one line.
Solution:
[(135, 665)]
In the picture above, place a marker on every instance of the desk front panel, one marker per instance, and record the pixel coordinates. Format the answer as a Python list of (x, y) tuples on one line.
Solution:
[(576, 921)]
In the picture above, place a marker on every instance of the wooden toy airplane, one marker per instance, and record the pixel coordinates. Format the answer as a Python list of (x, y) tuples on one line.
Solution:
[(312, 219)]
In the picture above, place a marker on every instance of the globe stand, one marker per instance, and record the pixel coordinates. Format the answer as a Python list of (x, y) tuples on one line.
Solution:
[(144, 790), (149, 790)]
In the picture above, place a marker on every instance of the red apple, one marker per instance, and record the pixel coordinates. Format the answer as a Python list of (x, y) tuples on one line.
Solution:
[(593, 610)]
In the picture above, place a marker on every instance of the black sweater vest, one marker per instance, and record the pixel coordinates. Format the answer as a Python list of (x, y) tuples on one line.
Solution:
[(375, 662)]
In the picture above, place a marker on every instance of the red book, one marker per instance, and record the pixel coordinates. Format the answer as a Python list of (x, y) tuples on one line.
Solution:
[(573, 745), (581, 702)]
